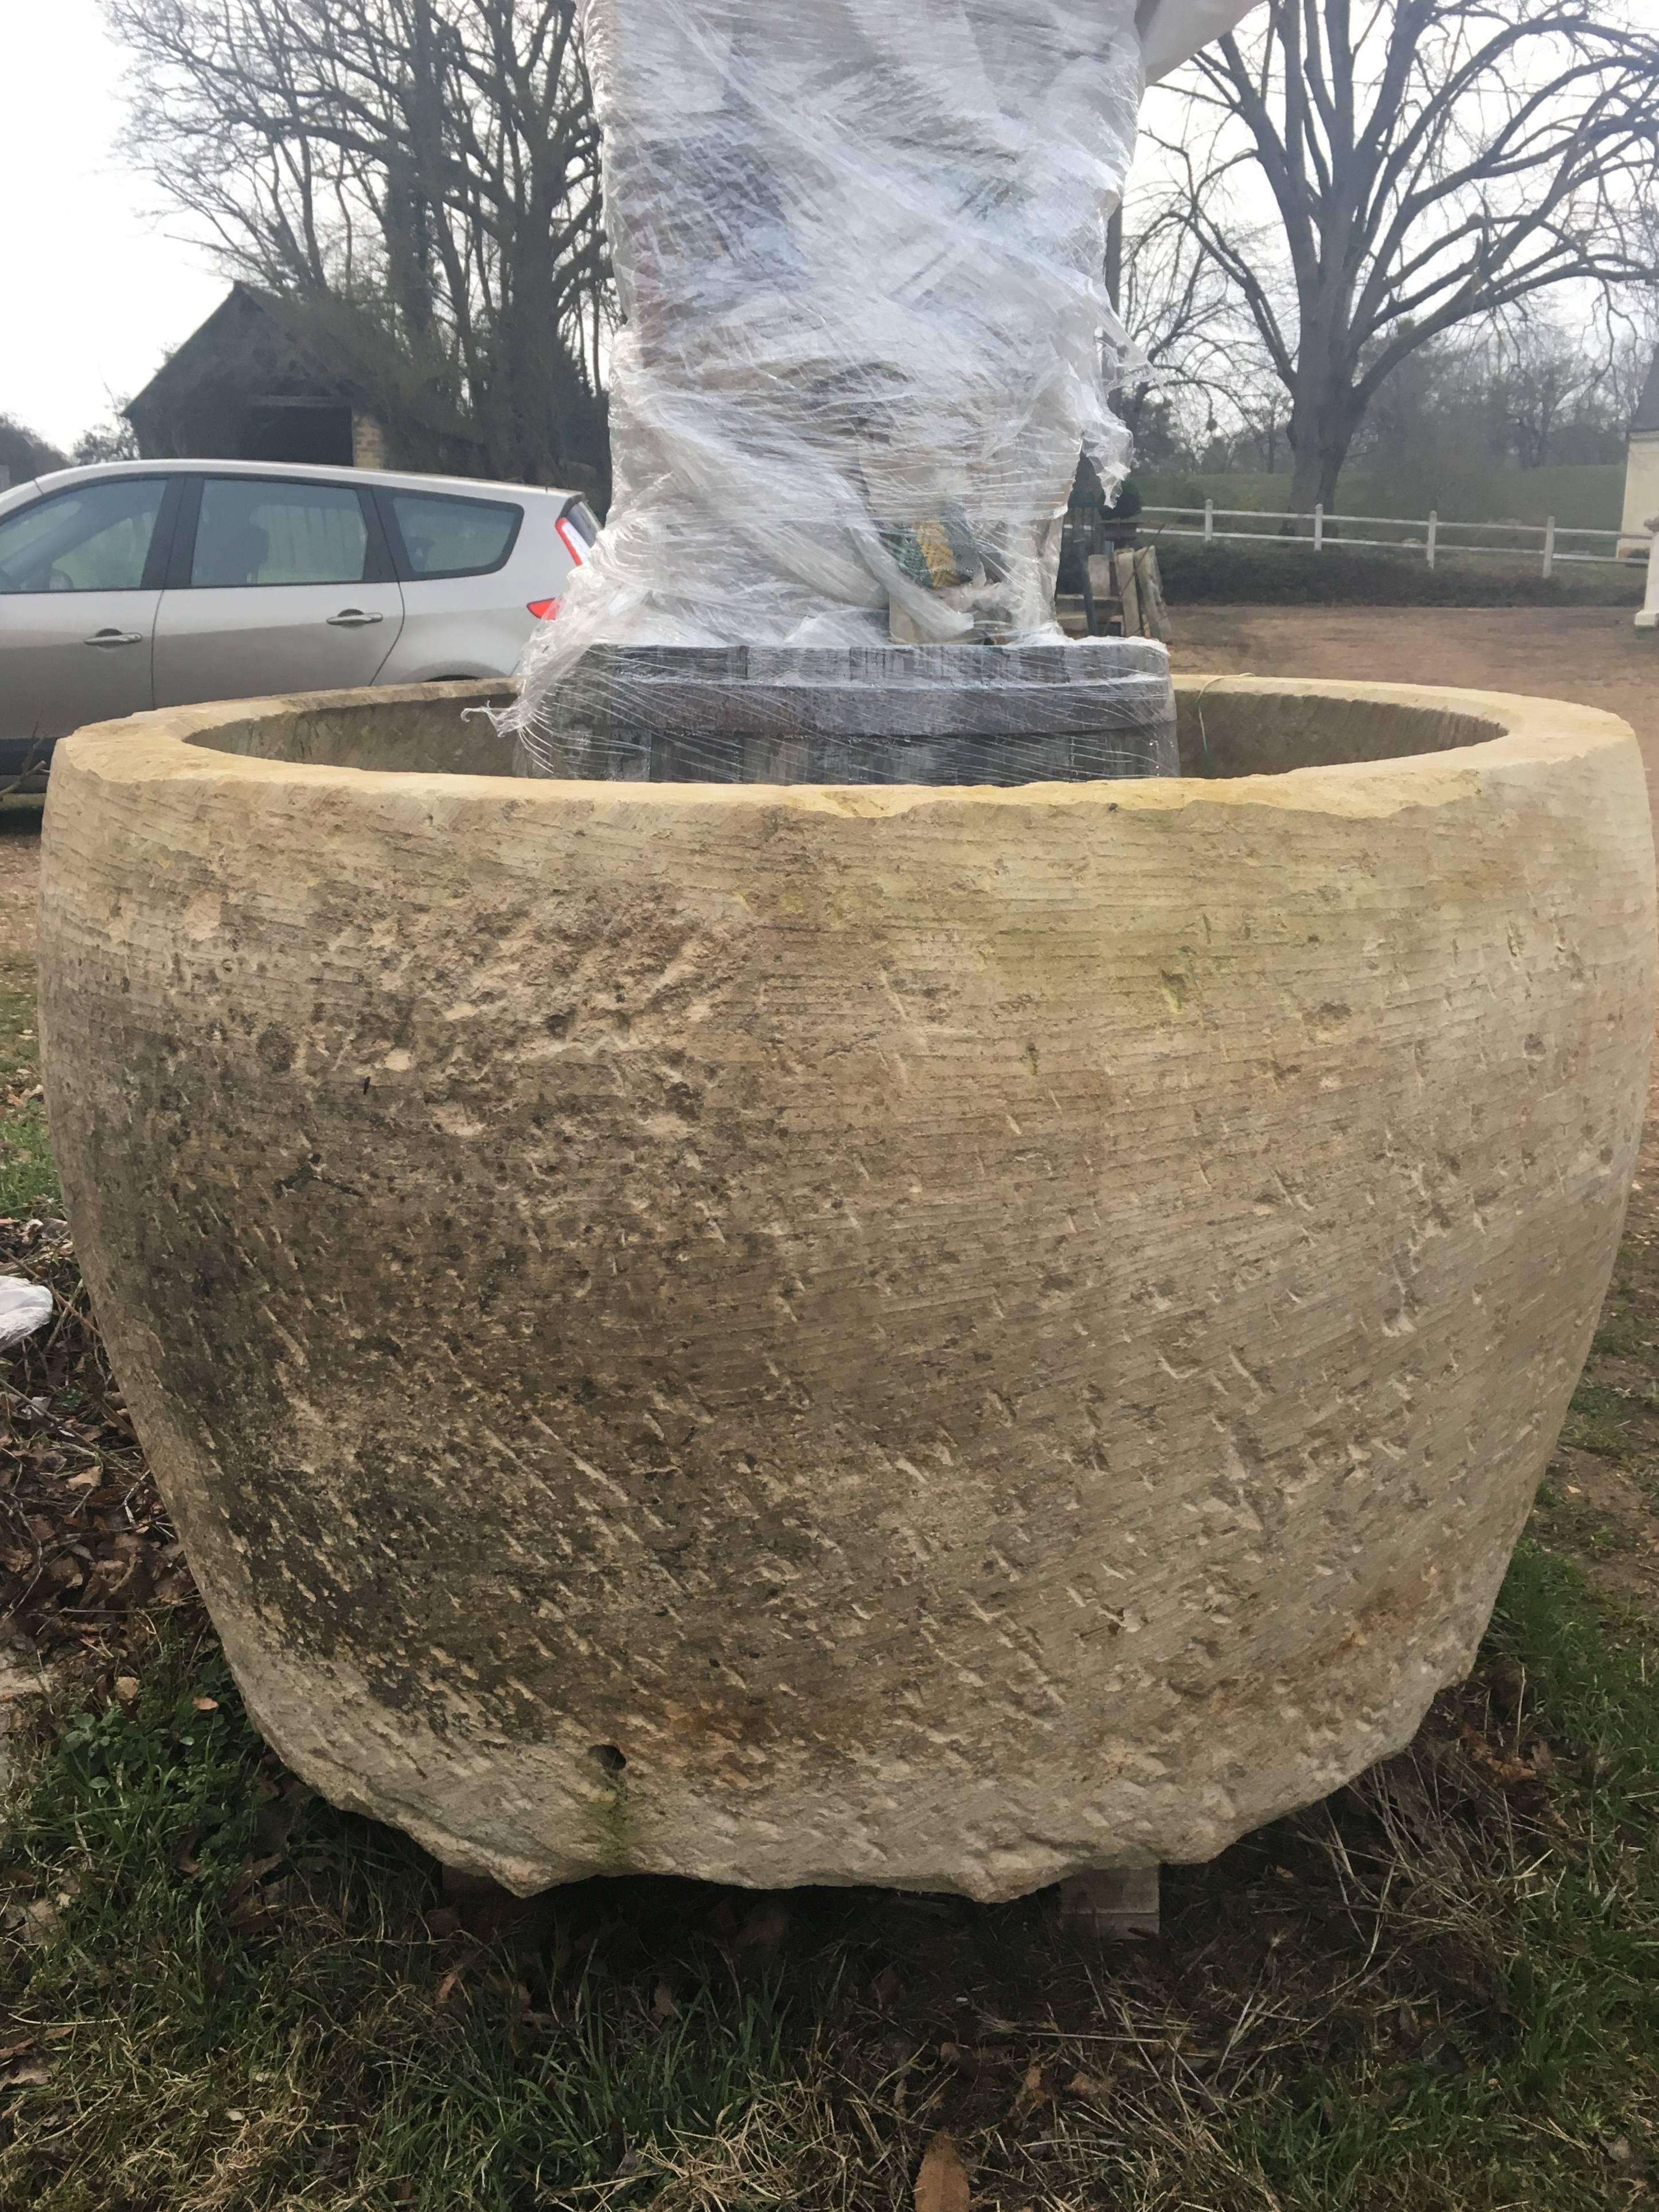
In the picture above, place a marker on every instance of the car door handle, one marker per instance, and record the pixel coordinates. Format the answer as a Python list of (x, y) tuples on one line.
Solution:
[(353, 618), (115, 637)]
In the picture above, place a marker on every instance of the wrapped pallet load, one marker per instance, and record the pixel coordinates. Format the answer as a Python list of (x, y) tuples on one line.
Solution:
[(859, 248)]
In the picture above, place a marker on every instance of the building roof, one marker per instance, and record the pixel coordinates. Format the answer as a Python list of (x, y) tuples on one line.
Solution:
[(247, 327), (1646, 417), (271, 345)]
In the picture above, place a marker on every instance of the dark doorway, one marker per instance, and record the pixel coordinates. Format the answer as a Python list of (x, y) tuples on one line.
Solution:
[(303, 430)]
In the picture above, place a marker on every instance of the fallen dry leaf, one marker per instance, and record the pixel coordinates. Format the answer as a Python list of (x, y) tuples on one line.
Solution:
[(1493, 1767), (1096, 2087), (942, 2181), (39, 1920), (663, 2006), (126, 1689), (87, 1531), (1033, 2091), (207, 1704)]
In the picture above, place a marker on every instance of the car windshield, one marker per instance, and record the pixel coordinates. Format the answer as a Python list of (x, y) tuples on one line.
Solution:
[(94, 538)]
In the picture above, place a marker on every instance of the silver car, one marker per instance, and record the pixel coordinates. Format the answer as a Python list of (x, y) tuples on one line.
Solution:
[(154, 583)]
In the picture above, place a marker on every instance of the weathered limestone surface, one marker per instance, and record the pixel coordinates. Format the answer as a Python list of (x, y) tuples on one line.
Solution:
[(965, 1336)]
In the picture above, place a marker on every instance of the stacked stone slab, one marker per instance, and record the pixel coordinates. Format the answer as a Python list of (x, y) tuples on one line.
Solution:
[(927, 714)]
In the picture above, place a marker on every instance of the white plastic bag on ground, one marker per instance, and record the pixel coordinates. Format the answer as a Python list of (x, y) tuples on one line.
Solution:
[(24, 1307)]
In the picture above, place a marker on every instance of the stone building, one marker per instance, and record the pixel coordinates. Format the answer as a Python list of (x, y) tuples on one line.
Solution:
[(252, 385)]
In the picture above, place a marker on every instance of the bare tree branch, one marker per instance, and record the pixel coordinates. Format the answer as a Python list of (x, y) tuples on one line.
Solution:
[(419, 180), (1509, 147)]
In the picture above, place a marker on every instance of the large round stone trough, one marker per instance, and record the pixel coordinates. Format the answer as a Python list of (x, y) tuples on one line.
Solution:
[(943, 1338)]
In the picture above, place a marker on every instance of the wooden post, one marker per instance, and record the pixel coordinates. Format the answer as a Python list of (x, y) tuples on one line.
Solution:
[(1549, 546), (1434, 533), (1209, 522), (1128, 591), (1148, 594), (1319, 525), (1111, 1905)]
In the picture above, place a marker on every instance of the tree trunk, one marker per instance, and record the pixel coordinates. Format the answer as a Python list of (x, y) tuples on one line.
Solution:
[(1313, 476), (1323, 419)]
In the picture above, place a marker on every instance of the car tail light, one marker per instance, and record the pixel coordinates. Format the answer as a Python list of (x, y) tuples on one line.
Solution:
[(544, 610), (572, 545)]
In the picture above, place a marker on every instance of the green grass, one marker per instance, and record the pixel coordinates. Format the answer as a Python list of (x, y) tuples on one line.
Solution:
[(1606, 1418), (310, 2033), (1580, 498), (1247, 490), (1590, 497), (1437, 1991), (28, 1179), (1582, 1528), (1620, 1334)]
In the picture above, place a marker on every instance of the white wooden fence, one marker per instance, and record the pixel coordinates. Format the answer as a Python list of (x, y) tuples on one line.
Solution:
[(1431, 535)]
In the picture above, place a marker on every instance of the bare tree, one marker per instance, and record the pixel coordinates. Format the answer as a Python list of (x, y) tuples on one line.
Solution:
[(1559, 392), (417, 178), (1430, 162), (1193, 358)]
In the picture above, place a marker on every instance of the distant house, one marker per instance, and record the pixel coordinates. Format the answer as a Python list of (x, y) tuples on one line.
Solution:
[(1641, 468), (250, 385)]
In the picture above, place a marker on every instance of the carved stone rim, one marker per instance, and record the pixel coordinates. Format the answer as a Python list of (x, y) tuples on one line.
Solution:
[(176, 744)]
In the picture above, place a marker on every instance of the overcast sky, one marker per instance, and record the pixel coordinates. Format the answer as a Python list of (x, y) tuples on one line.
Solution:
[(96, 290), (93, 291)]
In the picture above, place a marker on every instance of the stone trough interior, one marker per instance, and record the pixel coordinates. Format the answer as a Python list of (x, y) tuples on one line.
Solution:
[(446, 730)]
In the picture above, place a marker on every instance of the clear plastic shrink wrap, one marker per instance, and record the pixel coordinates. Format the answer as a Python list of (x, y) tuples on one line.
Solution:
[(859, 248)]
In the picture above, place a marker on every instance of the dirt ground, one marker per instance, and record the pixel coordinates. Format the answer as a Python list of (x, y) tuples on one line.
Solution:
[(20, 871), (1592, 654)]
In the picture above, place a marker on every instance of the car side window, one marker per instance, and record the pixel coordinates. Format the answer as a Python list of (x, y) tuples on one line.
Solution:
[(259, 529), (445, 537), (93, 538)]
